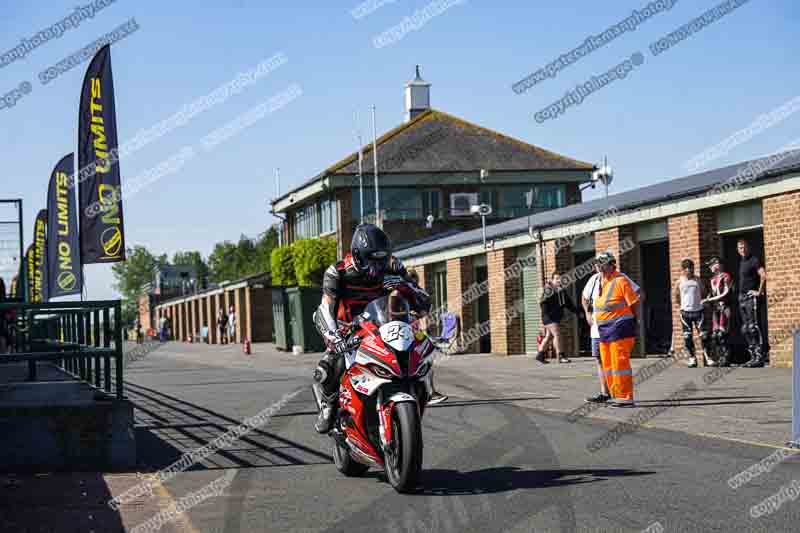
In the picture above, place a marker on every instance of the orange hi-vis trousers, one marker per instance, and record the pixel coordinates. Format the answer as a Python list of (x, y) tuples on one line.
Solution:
[(616, 359)]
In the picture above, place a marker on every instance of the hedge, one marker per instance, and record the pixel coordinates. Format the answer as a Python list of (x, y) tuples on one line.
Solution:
[(282, 265), (303, 262)]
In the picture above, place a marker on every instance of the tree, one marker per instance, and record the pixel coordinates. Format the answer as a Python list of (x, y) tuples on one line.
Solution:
[(229, 261), (196, 260), (267, 242), (132, 275), (221, 262), (283, 266)]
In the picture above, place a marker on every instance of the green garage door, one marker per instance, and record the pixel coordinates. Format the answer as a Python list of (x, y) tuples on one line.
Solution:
[(531, 291)]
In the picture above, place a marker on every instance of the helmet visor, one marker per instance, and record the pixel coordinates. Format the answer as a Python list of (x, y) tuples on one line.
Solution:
[(378, 262)]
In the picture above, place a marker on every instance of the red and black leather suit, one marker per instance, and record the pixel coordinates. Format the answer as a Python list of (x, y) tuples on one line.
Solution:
[(350, 290)]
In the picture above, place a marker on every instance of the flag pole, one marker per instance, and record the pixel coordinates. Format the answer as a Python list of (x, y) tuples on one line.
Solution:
[(378, 220), (360, 169)]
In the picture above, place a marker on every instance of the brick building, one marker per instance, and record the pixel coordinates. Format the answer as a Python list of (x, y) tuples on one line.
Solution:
[(429, 168), (251, 298), (650, 230)]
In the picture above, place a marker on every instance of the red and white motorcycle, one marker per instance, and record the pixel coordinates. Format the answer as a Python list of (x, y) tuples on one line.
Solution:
[(382, 395)]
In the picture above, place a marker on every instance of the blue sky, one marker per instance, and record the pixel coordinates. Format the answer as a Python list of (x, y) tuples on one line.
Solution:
[(666, 111)]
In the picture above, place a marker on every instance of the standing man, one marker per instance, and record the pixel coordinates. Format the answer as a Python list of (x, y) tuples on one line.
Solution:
[(222, 325), (688, 292), (616, 312), (721, 289), (590, 293), (752, 283)]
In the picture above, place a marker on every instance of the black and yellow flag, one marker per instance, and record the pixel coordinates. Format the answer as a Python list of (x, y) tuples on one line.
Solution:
[(102, 233), (37, 266), (63, 252)]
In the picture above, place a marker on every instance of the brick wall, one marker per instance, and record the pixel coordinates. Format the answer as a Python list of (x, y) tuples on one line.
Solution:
[(693, 236), (504, 303), (782, 251), (423, 274), (460, 276), (573, 193)]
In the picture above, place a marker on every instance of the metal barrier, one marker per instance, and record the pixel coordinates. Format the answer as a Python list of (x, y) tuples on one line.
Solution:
[(77, 336)]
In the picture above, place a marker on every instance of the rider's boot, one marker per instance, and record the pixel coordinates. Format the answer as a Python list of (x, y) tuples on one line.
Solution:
[(327, 374), (327, 413)]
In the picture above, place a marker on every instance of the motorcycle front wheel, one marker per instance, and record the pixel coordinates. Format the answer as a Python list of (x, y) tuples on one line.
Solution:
[(404, 458), (346, 464)]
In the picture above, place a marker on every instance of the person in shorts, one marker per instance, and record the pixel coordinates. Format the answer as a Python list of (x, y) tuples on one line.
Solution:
[(553, 302)]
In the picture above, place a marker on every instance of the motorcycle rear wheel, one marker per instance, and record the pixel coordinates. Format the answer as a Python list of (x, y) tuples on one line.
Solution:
[(404, 459), (346, 464)]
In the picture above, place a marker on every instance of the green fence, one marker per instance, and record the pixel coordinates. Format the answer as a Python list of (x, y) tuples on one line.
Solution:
[(83, 338)]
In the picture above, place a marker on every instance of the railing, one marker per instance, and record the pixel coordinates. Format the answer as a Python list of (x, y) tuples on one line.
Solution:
[(77, 336)]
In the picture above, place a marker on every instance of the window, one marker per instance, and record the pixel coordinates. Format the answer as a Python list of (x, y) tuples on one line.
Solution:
[(431, 203), (396, 203), (551, 196), (739, 217), (306, 222), (328, 216), (439, 289)]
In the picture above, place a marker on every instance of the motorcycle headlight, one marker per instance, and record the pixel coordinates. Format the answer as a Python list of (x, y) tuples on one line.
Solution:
[(423, 369), (380, 372)]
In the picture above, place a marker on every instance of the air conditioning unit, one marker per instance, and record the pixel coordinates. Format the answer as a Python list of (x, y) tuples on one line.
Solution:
[(461, 202)]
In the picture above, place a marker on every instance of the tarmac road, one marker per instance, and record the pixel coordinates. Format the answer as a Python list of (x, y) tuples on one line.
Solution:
[(492, 461)]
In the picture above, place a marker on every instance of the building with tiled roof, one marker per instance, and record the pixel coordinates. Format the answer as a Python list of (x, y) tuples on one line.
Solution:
[(429, 174)]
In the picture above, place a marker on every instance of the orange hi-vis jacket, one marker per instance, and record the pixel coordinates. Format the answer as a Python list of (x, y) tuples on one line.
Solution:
[(612, 309)]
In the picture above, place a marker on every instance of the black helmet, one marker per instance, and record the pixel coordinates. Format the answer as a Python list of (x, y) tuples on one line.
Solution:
[(371, 250), (714, 261)]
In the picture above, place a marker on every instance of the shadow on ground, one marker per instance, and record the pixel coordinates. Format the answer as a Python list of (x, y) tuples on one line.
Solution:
[(167, 426)]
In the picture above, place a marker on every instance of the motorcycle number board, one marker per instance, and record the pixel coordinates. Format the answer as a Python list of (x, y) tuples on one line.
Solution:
[(398, 335)]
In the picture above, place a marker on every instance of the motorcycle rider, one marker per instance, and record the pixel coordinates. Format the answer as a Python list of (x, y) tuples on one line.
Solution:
[(721, 289), (368, 272)]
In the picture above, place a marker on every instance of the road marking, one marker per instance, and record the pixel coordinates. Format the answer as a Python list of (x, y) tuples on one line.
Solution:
[(183, 518)]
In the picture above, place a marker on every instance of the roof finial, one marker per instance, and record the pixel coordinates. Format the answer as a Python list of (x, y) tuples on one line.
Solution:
[(418, 76)]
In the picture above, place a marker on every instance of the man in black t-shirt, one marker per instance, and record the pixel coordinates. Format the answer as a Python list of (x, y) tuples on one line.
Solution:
[(752, 283)]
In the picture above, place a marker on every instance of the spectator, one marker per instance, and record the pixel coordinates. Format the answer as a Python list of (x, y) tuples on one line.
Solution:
[(231, 325), (137, 327), (616, 311), (688, 292), (553, 302), (752, 283), (222, 325), (162, 328), (590, 293)]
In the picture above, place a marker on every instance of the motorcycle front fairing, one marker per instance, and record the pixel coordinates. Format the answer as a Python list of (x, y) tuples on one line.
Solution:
[(393, 361)]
